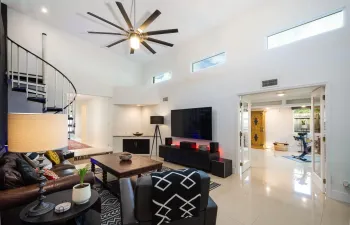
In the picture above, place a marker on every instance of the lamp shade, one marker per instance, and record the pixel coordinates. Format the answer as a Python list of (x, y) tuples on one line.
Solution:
[(157, 119), (37, 132)]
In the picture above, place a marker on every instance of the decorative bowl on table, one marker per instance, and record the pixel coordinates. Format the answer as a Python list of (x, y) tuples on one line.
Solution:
[(137, 134), (125, 156)]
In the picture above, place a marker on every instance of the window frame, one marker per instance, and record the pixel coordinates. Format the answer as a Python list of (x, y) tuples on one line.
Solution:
[(308, 22), (154, 77), (192, 64)]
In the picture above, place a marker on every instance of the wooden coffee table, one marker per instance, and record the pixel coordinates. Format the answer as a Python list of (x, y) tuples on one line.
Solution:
[(120, 169)]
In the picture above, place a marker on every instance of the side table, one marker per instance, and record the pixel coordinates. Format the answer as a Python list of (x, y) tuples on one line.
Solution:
[(221, 167), (76, 211)]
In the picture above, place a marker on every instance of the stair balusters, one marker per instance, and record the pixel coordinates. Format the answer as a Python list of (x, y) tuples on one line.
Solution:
[(37, 87)]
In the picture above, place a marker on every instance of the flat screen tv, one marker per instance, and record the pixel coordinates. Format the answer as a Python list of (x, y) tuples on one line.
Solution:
[(192, 123)]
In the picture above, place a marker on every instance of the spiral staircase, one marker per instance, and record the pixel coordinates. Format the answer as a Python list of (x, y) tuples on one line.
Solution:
[(41, 82)]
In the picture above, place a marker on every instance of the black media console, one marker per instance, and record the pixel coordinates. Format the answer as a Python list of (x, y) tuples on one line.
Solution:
[(136, 146), (188, 157)]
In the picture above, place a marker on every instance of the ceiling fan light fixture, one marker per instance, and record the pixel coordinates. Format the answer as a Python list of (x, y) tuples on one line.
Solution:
[(135, 36), (135, 41)]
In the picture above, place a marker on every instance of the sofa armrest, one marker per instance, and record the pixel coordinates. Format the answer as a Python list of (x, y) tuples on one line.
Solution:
[(211, 212), (127, 202), (20, 196)]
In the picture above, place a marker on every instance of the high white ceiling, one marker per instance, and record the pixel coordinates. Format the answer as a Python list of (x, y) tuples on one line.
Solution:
[(191, 17)]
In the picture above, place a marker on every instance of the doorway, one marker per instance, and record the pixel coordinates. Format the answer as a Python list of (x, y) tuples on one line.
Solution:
[(258, 129), (288, 124)]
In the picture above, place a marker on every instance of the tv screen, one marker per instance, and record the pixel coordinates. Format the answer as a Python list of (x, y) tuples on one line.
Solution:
[(192, 123)]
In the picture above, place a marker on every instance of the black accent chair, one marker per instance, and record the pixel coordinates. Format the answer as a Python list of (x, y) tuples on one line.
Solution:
[(136, 205)]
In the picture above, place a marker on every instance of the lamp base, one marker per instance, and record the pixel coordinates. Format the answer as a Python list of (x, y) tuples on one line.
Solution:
[(40, 209)]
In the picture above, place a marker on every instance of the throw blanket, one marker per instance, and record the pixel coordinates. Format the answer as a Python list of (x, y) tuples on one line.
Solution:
[(176, 195)]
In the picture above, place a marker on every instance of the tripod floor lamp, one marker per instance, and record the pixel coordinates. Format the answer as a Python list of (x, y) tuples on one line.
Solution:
[(157, 120)]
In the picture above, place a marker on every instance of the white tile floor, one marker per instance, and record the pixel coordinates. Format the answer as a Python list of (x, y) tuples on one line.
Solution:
[(275, 191)]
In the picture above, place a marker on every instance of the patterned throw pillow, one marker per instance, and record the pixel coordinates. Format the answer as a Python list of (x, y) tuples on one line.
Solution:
[(50, 175), (53, 157)]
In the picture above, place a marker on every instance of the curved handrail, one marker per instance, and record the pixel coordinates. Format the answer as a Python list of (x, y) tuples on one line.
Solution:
[(49, 64)]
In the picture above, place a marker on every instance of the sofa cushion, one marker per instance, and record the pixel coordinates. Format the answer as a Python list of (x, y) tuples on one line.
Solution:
[(65, 173), (29, 175), (63, 166), (9, 176), (53, 157)]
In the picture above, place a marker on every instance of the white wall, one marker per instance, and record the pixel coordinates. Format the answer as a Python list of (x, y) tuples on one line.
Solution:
[(93, 70), (279, 127), (94, 122), (135, 95), (127, 120), (320, 59)]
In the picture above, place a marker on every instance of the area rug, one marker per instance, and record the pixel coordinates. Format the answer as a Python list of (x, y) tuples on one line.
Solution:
[(74, 145), (110, 204), (110, 207), (307, 157)]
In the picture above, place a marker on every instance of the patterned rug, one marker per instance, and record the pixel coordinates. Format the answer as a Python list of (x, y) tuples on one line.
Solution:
[(110, 205), (308, 159), (74, 145)]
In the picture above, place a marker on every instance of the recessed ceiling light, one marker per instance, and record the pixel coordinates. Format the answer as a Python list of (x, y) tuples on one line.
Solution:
[(267, 108), (281, 94), (44, 10), (304, 106)]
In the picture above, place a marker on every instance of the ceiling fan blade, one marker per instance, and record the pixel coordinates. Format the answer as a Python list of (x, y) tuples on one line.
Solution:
[(160, 42), (106, 21), (149, 21), (125, 15), (148, 47), (132, 51), (115, 43), (109, 33), (157, 32)]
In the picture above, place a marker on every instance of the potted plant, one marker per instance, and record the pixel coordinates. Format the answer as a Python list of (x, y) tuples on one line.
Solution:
[(303, 124), (82, 191)]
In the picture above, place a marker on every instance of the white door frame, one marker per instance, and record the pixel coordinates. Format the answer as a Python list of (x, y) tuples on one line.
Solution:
[(318, 180), (244, 166), (239, 95)]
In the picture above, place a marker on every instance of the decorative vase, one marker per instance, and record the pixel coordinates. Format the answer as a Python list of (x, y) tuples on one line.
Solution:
[(81, 195)]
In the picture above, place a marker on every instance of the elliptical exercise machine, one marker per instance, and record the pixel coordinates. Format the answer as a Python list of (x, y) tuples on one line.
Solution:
[(305, 149)]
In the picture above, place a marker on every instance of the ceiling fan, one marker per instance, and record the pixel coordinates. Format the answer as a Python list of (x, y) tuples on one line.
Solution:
[(135, 36)]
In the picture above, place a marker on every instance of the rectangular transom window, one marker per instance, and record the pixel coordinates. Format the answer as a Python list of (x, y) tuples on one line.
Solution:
[(313, 28), (209, 62), (162, 77)]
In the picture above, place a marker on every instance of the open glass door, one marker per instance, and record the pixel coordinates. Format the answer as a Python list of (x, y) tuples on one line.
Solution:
[(245, 148), (318, 150)]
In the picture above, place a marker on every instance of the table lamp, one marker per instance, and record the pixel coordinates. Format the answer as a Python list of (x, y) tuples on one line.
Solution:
[(156, 120), (37, 133)]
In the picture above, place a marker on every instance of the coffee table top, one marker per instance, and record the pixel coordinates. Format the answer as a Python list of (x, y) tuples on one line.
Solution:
[(57, 198), (137, 165)]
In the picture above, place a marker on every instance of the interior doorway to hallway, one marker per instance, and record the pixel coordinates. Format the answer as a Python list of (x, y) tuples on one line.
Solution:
[(290, 124)]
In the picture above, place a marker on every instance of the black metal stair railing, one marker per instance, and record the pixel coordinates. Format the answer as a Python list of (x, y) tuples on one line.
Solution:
[(41, 81)]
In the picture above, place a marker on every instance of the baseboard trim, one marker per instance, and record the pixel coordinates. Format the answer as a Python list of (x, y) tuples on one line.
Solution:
[(340, 196)]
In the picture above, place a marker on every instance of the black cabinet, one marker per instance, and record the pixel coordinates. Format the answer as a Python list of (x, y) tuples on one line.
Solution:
[(188, 157), (221, 167), (136, 146)]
